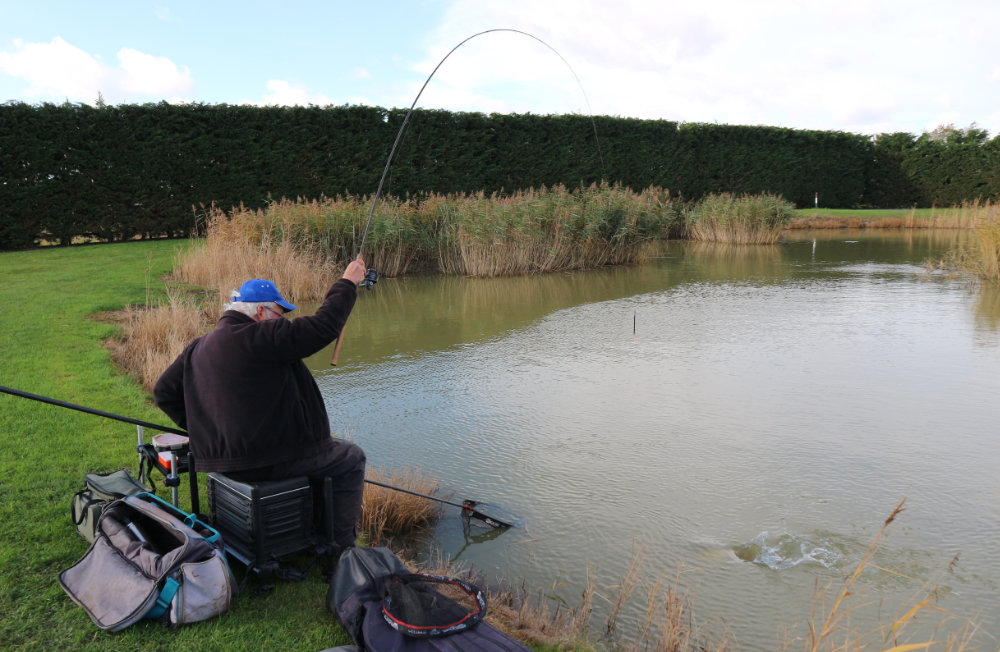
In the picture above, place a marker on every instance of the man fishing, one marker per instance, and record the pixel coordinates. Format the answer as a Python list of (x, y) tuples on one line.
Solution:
[(250, 405)]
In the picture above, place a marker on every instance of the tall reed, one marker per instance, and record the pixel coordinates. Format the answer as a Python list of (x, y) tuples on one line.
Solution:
[(981, 254), (739, 219), (301, 244), (255, 244), (552, 229)]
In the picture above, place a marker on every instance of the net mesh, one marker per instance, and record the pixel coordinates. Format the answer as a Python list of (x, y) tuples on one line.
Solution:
[(430, 605)]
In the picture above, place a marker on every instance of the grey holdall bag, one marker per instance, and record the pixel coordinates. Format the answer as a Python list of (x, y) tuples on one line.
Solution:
[(99, 491), (150, 560)]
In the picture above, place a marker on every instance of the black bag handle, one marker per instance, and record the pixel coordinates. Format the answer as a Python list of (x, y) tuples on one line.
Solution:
[(78, 519)]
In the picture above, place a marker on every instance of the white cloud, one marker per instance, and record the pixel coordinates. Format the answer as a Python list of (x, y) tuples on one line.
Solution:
[(283, 93), (855, 65), (55, 69), (144, 74), (60, 71)]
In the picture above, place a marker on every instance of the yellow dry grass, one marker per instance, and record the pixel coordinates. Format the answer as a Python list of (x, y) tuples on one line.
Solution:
[(387, 514), (831, 629), (968, 215), (739, 219), (243, 246), (153, 336)]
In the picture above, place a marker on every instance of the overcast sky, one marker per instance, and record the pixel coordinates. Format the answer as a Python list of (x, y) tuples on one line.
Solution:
[(862, 66)]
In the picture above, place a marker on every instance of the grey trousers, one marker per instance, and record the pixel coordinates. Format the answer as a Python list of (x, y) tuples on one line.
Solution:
[(344, 463)]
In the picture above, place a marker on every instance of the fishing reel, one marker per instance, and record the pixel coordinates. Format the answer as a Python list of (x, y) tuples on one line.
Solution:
[(371, 278)]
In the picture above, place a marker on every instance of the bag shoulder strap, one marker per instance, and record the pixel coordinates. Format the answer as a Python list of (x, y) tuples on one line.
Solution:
[(167, 593)]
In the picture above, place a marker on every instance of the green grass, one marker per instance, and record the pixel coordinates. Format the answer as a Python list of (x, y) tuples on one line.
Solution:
[(53, 348), (862, 213)]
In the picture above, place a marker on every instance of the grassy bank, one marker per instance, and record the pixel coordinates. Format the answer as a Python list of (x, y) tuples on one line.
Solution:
[(966, 216)]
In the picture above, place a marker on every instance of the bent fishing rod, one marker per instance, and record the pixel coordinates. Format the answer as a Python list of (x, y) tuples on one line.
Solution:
[(372, 276), (468, 506)]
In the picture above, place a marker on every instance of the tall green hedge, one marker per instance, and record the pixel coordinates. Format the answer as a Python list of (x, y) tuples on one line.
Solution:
[(120, 172)]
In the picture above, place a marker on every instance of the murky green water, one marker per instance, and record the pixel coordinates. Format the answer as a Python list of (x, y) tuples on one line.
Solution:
[(750, 415)]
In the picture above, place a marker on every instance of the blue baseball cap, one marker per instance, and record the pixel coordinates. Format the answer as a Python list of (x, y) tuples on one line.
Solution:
[(258, 290)]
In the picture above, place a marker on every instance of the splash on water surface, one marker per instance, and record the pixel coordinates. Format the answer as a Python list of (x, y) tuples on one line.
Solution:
[(786, 551)]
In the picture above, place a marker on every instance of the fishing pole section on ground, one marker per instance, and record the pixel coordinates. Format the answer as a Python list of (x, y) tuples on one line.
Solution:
[(168, 453)]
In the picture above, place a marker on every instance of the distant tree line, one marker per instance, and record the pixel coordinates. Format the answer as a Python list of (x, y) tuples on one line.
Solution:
[(121, 172)]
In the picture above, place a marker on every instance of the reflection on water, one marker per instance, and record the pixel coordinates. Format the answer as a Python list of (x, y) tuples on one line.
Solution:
[(801, 389), (474, 533), (988, 307)]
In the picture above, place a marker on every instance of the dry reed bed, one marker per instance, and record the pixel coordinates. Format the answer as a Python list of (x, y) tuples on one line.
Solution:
[(301, 245), (153, 336), (739, 219), (980, 256)]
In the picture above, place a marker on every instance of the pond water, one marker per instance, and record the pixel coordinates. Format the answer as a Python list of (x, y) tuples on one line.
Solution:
[(746, 415)]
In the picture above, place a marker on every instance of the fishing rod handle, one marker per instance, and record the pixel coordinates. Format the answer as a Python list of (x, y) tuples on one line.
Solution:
[(336, 349)]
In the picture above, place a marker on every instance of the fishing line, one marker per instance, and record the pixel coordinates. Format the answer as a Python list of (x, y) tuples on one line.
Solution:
[(406, 119), (372, 275)]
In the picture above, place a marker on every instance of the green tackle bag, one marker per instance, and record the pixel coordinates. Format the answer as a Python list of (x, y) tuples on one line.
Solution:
[(100, 490)]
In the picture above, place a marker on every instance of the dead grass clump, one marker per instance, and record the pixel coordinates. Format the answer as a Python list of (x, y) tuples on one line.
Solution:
[(388, 514), (529, 620), (668, 623), (152, 337), (250, 244)]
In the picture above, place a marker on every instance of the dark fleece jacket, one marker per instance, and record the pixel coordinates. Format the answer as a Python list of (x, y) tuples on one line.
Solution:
[(243, 392)]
